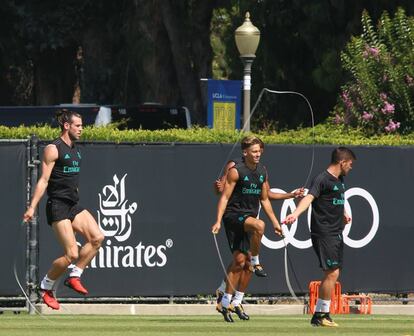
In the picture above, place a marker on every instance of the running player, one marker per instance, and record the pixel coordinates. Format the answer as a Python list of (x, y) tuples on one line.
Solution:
[(238, 208), (327, 196), (60, 175)]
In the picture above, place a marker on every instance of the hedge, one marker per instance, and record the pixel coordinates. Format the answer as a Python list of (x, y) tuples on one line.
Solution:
[(321, 134)]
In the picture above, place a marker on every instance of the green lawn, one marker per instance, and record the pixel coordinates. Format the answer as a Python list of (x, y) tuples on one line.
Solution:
[(23, 324)]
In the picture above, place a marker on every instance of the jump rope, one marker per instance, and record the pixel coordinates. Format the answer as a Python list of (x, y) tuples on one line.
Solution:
[(16, 277), (54, 289), (22, 225), (287, 259)]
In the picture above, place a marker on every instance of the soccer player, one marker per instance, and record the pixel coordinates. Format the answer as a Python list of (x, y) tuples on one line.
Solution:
[(61, 165), (236, 305), (238, 207), (327, 196)]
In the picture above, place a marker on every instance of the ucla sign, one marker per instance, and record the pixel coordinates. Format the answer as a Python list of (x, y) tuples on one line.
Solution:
[(224, 104)]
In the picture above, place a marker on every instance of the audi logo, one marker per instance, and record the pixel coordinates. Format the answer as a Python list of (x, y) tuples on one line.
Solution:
[(289, 231)]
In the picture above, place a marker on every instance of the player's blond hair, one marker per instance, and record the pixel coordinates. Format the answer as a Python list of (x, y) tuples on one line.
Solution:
[(251, 140)]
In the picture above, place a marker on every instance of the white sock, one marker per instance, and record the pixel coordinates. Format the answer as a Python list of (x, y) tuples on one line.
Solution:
[(255, 260), (47, 283), (238, 298), (222, 287), (322, 306), (225, 302), (76, 272)]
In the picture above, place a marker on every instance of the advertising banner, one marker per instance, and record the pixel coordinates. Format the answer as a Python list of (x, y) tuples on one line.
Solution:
[(156, 205), (224, 104)]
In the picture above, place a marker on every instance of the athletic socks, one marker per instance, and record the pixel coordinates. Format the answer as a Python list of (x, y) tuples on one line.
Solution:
[(238, 298), (322, 306), (76, 272), (47, 283), (255, 260), (226, 300)]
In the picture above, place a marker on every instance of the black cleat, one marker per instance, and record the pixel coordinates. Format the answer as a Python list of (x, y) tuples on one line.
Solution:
[(240, 312), (226, 314), (258, 270), (322, 320), (219, 297)]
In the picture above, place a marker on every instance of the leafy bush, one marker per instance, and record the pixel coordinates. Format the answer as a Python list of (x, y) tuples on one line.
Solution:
[(379, 96), (321, 134)]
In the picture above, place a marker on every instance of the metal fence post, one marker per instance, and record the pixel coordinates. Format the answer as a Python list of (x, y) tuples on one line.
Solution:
[(32, 229)]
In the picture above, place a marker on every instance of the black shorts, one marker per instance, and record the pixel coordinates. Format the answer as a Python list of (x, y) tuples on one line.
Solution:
[(329, 250), (59, 209), (238, 239)]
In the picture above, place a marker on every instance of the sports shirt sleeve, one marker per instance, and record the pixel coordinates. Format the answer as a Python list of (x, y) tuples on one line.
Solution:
[(317, 186)]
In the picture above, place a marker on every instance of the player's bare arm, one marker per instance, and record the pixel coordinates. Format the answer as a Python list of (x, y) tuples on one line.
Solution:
[(231, 181), (267, 207), (49, 158), (296, 193), (221, 182), (347, 218), (302, 206)]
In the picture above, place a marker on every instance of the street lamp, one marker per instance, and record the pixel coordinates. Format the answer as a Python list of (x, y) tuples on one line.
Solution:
[(247, 38)]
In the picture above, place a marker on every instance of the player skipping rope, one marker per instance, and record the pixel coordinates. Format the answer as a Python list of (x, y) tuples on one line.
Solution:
[(287, 259)]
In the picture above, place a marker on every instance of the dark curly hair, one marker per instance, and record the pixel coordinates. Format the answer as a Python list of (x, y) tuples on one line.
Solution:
[(64, 115), (342, 153)]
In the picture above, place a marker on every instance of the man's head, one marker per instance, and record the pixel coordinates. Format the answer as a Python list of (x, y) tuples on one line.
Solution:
[(343, 157), (252, 148), (70, 122)]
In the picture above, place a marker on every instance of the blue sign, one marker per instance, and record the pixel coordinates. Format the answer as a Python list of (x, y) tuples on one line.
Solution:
[(224, 104)]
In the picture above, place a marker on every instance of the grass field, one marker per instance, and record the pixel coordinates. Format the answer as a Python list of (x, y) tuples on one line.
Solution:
[(26, 325)]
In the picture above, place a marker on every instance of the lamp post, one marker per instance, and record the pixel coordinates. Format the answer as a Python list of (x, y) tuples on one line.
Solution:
[(247, 38)]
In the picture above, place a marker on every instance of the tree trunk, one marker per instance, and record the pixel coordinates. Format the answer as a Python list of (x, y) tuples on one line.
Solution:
[(152, 75), (54, 76), (186, 76), (202, 14)]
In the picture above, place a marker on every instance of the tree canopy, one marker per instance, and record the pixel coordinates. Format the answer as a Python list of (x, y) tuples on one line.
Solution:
[(130, 52)]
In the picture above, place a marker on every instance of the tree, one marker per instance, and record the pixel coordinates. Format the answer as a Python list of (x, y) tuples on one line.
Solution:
[(129, 52), (299, 50), (132, 52)]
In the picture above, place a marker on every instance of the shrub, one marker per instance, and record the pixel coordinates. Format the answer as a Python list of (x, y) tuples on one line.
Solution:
[(323, 134), (379, 95)]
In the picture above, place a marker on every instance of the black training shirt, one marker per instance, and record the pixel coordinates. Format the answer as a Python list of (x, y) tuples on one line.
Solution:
[(328, 205), (247, 192), (237, 160), (64, 179)]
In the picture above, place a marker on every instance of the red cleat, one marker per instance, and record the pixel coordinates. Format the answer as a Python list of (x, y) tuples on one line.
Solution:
[(75, 284), (49, 298)]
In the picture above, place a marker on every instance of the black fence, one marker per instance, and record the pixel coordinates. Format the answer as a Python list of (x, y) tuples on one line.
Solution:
[(155, 204)]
